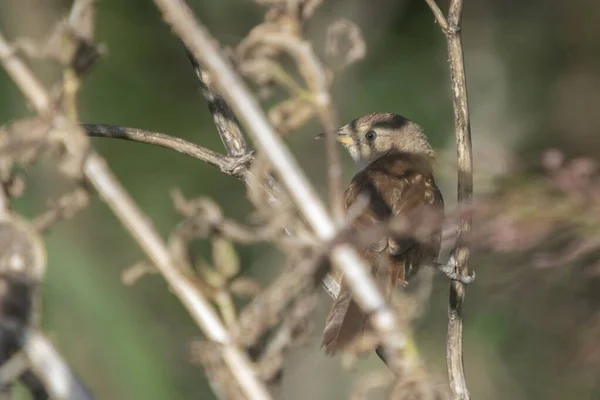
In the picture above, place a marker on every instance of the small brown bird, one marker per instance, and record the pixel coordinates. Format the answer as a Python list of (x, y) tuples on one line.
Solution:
[(396, 162)]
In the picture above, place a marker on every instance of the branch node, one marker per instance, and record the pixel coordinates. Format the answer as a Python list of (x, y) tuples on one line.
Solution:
[(238, 166), (451, 29)]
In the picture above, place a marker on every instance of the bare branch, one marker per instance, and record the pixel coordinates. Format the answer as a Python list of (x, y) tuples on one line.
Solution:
[(451, 29), (314, 74), (218, 105), (48, 365), (438, 14), (224, 118), (263, 309), (140, 228), (227, 165), (12, 368), (4, 203), (345, 258), (28, 84)]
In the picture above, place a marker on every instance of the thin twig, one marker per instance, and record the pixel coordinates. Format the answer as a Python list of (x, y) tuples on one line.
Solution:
[(438, 14), (313, 73), (26, 81), (224, 118), (228, 165), (229, 132), (334, 166), (12, 368), (4, 202), (451, 29), (111, 191), (345, 258)]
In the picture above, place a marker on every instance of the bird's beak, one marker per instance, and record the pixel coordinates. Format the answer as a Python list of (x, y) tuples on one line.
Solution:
[(340, 136)]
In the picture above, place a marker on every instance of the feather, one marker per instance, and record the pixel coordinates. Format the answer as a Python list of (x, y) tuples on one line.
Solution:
[(396, 184)]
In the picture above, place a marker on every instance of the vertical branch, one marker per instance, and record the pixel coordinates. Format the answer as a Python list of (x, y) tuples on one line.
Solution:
[(334, 166), (465, 193), (451, 28)]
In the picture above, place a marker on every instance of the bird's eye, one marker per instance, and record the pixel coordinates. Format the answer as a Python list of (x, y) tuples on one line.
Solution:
[(370, 136)]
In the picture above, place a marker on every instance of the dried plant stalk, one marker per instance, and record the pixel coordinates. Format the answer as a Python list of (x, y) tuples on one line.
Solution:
[(110, 190), (345, 258), (451, 29)]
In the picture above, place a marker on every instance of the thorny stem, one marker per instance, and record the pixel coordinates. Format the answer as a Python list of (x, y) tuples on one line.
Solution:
[(454, 353)]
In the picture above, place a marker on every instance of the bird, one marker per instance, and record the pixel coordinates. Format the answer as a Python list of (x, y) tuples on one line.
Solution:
[(395, 161)]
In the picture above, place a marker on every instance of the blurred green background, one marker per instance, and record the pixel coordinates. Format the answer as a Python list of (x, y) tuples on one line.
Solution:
[(533, 76)]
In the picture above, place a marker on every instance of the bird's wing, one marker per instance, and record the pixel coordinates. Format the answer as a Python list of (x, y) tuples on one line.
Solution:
[(395, 185)]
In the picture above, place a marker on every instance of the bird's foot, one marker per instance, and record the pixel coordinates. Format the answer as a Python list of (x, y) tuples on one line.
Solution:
[(451, 271)]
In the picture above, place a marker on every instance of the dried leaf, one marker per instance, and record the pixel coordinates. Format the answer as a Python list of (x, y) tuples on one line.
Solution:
[(211, 277), (225, 257), (244, 287)]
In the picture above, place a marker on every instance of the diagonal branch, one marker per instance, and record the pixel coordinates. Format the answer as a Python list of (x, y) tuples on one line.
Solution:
[(451, 28), (344, 257), (138, 225), (313, 73), (438, 14), (228, 133), (48, 365), (224, 118)]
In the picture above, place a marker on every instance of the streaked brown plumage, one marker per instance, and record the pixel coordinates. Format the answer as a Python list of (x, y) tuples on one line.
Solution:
[(397, 176)]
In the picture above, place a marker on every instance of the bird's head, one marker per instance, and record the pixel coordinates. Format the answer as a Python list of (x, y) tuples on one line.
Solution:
[(373, 135)]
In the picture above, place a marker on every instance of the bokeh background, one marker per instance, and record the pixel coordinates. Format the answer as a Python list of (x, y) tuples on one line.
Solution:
[(533, 72)]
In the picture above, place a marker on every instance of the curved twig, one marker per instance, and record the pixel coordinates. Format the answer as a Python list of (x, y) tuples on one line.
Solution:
[(228, 165)]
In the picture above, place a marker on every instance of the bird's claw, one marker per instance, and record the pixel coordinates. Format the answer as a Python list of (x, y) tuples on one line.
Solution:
[(450, 270), (465, 279)]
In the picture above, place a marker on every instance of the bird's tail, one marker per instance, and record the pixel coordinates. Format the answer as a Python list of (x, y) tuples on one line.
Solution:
[(346, 321)]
